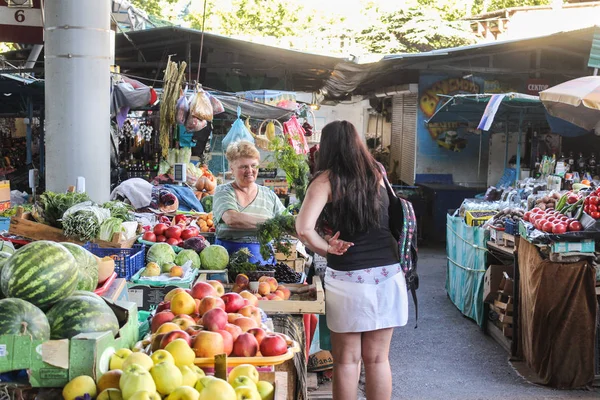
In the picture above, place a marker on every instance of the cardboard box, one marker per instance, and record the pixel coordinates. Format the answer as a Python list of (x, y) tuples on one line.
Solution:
[(4, 195), (54, 362), (584, 246), (492, 279)]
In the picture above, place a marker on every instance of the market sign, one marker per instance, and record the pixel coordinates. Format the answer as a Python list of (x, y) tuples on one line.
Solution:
[(21, 21), (535, 86)]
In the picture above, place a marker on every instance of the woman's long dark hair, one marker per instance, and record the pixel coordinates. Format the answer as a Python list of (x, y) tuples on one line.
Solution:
[(354, 176)]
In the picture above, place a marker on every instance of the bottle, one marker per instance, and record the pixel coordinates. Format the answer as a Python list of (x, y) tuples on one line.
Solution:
[(581, 163), (592, 164), (147, 175), (571, 161)]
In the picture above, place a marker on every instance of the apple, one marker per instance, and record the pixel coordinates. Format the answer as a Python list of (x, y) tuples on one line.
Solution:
[(252, 299), (181, 351), (242, 280), (189, 376), (232, 317), (210, 302), (144, 395), (208, 344), (273, 345), (109, 380), (273, 296), (227, 341), (117, 358), (194, 329), (252, 312), (167, 377), (243, 380), (236, 288), (173, 232), (244, 370), (247, 393), (245, 323), (183, 303), (174, 335), (162, 355), (110, 394), (218, 286), (202, 289), (169, 296), (163, 306), (264, 288), (215, 389), (161, 318), (176, 271), (184, 323), (265, 390), (233, 302), (149, 236), (167, 327), (234, 330), (215, 319), (258, 333), (159, 229), (134, 379), (245, 346), (184, 393), (141, 359), (188, 233)]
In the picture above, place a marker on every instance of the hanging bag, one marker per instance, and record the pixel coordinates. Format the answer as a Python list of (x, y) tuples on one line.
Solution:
[(295, 135), (237, 132), (182, 108), (200, 106)]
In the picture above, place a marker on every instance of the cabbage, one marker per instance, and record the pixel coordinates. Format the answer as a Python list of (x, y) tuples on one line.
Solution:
[(109, 227), (161, 253), (214, 257), (188, 255)]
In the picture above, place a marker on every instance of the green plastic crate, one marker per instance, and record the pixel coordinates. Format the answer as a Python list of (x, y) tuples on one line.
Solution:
[(184, 283)]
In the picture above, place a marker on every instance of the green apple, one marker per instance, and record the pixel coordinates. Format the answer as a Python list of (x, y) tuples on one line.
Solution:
[(162, 355), (246, 393), (167, 377), (136, 378), (203, 382), (198, 371), (242, 380), (144, 395), (218, 389), (189, 376), (266, 390), (243, 369), (184, 393), (141, 359), (117, 359)]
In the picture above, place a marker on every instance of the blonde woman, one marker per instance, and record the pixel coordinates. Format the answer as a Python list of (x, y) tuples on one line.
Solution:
[(241, 205)]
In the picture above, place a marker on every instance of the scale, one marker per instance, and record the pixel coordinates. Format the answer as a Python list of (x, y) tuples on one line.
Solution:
[(179, 173), (34, 181)]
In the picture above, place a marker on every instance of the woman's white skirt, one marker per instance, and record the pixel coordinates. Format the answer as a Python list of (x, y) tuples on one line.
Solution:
[(366, 300)]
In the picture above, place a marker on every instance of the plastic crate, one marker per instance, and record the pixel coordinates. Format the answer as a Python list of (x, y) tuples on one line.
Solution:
[(127, 262), (511, 227), (4, 224)]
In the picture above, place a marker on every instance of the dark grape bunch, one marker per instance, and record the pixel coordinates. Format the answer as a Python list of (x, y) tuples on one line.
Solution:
[(283, 272)]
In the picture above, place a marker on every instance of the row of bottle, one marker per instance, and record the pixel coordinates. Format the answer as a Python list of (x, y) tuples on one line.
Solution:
[(581, 164), (145, 169)]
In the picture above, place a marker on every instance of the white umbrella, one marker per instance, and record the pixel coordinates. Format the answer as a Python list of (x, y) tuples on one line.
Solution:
[(576, 101)]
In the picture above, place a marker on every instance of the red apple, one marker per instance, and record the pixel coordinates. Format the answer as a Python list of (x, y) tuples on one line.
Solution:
[(245, 346), (273, 345), (258, 333), (210, 302), (161, 318), (245, 323), (149, 236), (208, 344), (234, 330), (170, 336), (227, 341), (159, 229), (252, 312), (161, 238), (202, 289), (194, 330), (215, 319), (173, 232), (233, 302), (163, 306)]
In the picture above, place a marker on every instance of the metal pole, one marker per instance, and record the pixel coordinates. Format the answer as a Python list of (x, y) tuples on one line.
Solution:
[(479, 165), (506, 150), (29, 133), (518, 177), (42, 141), (77, 67)]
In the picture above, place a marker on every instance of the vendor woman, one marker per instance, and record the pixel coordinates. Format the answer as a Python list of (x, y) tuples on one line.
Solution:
[(241, 205)]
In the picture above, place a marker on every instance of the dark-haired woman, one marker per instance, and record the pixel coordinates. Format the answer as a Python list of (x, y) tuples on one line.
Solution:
[(366, 293)]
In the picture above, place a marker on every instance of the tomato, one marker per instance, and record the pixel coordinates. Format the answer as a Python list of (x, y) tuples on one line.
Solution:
[(173, 232), (149, 237), (180, 218), (539, 224), (551, 219), (536, 210), (161, 238), (559, 228), (527, 216), (189, 233), (593, 208), (594, 200), (595, 215), (173, 241), (575, 226), (572, 198), (586, 201), (586, 209), (159, 229), (547, 227)]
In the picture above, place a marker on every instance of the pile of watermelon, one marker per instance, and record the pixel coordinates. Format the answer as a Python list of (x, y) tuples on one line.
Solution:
[(47, 289)]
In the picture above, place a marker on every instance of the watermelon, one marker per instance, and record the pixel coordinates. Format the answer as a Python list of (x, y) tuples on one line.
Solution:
[(3, 257), (6, 247), (87, 266), (81, 313), (19, 317), (41, 273)]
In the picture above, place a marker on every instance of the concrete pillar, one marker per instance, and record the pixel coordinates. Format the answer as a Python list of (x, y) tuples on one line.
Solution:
[(77, 68)]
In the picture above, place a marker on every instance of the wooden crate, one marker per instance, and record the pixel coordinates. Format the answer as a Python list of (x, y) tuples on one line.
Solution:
[(23, 225)]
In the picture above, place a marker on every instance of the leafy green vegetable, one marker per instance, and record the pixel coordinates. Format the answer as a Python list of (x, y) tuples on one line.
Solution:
[(276, 230), (83, 221), (295, 165), (53, 206), (11, 212), (161, 253), (109, 227), (120, 210), (239, 262)]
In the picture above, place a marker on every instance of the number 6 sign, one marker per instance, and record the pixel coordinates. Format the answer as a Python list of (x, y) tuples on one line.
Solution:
[(21, 21)]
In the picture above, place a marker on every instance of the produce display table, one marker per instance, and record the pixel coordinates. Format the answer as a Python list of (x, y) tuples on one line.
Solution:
[(557, 316)]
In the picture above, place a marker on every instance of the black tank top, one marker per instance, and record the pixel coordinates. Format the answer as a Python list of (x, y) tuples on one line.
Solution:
[(374, 248)]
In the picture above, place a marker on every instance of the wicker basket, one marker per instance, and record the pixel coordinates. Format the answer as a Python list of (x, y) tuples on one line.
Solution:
[(262, 141)]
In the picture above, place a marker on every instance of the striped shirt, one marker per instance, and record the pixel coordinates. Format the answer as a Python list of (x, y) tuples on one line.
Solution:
[(265, 204)]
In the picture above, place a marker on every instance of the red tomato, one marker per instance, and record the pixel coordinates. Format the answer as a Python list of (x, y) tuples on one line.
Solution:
[(594, 200), (173, 232), (149, 237), (586, 209), (593, 208), (559, 228), (575, 226), (161, 238), (572, 198), (527, 216), (586, 201), (173, 241), (536, 210), (547, 227), (595, 215), (159, 229), (189, 233), (551, 219), (180, 218), (539, 224)]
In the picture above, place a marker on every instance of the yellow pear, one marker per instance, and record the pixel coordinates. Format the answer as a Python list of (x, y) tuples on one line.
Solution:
[(217, 389), (136, 378), (110, 394), (79, 387), (141, 359), (162, 356), (265, 390), (167, 377), (181, 352)]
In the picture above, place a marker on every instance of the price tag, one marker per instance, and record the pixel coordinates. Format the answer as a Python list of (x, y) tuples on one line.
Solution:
[(3, 352)]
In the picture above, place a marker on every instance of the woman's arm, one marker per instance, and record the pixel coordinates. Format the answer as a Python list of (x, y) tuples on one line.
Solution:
[(240, 220)]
